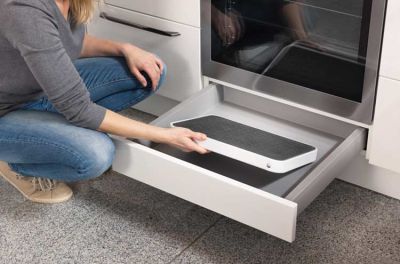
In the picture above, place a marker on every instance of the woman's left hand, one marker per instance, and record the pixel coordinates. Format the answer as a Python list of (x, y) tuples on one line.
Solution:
[(140, 61)]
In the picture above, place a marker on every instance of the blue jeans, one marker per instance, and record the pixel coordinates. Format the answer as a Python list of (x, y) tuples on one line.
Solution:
[(37, 141)]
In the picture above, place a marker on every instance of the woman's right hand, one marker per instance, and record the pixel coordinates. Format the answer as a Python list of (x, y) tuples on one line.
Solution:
[(178, 137), (183, 139)]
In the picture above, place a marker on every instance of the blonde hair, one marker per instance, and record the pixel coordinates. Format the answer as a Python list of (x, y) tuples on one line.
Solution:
[(81, 10)]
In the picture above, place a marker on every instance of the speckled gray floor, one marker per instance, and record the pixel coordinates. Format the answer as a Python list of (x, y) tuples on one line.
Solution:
[(114, 219)]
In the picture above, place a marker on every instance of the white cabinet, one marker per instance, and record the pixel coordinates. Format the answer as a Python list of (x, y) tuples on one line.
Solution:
[(266, 201), (384, 142), (390, 64), (180, 51), (384, 145), (182, 11)]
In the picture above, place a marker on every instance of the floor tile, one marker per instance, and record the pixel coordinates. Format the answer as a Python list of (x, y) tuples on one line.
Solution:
[(344, 237), (374, 229), (8, 193), (29, 228), (152, 228), (115, 186)]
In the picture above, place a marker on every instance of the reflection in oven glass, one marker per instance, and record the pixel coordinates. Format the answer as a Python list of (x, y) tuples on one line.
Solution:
[(318, 44)]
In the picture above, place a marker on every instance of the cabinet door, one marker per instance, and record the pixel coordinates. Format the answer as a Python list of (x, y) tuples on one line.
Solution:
[(181, 11), (180, 52), (390, 65), (385, 141)]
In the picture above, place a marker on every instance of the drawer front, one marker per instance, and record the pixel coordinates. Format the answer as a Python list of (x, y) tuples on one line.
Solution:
[(390, 64), (183, 63), (232, 196), (182, 11), (233, 199)]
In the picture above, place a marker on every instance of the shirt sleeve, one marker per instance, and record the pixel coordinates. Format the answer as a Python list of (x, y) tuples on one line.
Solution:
[(33, 31)]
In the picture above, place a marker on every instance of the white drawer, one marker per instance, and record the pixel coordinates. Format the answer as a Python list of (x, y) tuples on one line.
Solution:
[(390, 62), (182, 11), (181, 53), (266, 201)]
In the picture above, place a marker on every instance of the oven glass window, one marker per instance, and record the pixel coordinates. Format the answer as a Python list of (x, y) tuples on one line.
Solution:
[(318, 44)]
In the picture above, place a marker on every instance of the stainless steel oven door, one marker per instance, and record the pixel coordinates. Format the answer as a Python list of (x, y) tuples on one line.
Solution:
[(322, 54)]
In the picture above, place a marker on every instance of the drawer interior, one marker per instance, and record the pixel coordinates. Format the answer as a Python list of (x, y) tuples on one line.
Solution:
[(214, 101)]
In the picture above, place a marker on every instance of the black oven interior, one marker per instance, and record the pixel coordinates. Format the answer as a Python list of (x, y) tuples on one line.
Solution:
[(317, 44)]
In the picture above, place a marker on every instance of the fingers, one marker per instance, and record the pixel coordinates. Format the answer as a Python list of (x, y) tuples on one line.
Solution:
[(154, 73), (185, 139), (195, 136), (190, 144), (146, 63), (139, 76), (238, 29), (193, 146), (198, 136), (160, 64), (240, 24), (232, 29)]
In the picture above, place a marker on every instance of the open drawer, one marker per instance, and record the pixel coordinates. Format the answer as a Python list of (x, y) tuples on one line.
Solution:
[(266, 201)]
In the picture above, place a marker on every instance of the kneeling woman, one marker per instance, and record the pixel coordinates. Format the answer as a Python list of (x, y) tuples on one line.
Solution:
[(60, 89)]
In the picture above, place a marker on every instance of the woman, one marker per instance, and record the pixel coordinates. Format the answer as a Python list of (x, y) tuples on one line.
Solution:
[(55, 108)]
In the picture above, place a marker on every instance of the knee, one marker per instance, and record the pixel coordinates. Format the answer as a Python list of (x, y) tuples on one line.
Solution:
[(97, 157)]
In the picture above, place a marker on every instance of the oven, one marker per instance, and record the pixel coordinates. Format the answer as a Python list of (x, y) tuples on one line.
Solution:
[(321, 54)]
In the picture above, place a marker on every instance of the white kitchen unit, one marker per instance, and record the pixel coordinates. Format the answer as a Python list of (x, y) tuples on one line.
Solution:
[(188, 12), (337, 124), (174, 36), (385, 134), (385, 142), (390, 62)]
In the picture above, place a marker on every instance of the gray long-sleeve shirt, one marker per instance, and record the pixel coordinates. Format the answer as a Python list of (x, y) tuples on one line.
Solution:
[(37, 49)]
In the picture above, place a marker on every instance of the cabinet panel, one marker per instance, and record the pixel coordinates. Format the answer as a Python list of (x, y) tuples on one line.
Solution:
[(182, 11), (390, 65), (181, 53), (385, 141)]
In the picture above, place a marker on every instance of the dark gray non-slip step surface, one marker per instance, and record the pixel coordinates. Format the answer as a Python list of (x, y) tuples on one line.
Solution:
[(246, 137)]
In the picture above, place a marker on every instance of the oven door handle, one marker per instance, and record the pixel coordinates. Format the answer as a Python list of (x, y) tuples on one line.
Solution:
[(104, 15)]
